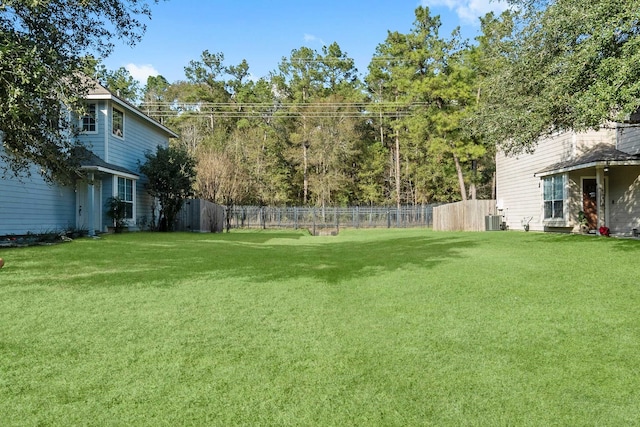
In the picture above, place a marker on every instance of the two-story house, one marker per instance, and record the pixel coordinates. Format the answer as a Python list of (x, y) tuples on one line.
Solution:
[(115, 136), (574, 182)]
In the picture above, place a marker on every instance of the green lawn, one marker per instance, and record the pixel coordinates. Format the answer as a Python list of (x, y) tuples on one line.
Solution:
[(368, 328)]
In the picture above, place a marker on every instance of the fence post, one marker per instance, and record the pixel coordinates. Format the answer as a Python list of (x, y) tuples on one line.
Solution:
[(235, 215), (313, 214), (356, 219)]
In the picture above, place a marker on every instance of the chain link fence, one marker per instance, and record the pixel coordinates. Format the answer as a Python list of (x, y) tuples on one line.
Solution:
[(321, 220)]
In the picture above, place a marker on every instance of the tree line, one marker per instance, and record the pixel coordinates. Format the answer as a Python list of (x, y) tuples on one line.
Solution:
[(421, 125), (314, 132)]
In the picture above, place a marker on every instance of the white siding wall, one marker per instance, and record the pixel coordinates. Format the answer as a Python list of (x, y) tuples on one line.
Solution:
[(629, 138), (624, 199), (519, 192)]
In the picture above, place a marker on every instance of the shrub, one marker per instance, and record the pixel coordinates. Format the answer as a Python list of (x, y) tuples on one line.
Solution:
[(116, 211)]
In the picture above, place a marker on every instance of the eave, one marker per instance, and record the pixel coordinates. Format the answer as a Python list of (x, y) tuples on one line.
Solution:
[(601, 156), (110, 171)]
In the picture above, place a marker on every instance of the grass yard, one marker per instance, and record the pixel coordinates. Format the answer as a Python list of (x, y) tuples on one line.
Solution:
[(368, 328)]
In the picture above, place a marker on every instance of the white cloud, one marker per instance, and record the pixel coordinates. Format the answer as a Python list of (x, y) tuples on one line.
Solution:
[(141, 72), (310, 38), (469, 10)]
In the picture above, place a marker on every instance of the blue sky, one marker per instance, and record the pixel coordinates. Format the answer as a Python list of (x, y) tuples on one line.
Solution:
[(265, 31)]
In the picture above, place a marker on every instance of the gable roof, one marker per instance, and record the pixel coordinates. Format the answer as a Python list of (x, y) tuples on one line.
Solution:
[(600, 155), (99, 92)]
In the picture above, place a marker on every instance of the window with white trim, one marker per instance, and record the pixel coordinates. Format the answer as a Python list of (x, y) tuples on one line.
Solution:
[(126, 188), (553, 196), (117, 123), (89, 119)]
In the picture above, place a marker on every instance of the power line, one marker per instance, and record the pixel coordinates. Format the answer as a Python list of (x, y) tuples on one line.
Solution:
[(175, 104), (260, 110), (276, 115)]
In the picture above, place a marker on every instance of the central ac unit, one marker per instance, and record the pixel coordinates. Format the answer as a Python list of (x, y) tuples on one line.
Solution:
[(493, 222)]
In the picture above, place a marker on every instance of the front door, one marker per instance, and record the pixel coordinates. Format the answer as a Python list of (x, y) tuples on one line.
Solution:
[(83, 221), (590, 202)]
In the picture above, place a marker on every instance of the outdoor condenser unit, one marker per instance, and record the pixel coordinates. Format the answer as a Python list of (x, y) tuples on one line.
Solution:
[(492, 222)]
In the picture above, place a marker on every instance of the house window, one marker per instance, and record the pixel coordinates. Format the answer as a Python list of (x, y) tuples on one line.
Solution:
[(89, 118), (553, 196), (117, 123), (125, 193)]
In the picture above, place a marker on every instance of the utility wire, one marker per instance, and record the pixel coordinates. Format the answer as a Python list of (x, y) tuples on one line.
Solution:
[(277, 115), (283, 104), (281, 110)]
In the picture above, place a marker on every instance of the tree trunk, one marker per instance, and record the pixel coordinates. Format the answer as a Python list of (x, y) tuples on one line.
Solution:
[(472, 191), (305, 172), (463, 191), (305, 154), (493, 187), (474, 176), (398, 168), (381, 130)]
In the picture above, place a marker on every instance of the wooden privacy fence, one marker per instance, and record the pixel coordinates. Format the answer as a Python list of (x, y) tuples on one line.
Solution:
[(203, 216), (200, 216), (463, 216)]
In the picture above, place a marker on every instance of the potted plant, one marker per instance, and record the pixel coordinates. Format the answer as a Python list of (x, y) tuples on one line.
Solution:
[(117, 211), (583, 221)]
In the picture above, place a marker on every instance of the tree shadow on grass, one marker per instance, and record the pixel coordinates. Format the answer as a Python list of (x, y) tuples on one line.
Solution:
[(337, 261), (161, 260)]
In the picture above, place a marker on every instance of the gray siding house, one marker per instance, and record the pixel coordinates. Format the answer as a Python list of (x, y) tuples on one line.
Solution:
[(115, 136), (574, 182)]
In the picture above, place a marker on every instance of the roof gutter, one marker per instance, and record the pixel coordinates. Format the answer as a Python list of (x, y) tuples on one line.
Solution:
[(110, 171)]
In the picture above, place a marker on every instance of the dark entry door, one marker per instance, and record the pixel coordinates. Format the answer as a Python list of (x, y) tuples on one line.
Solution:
[(589, 202)]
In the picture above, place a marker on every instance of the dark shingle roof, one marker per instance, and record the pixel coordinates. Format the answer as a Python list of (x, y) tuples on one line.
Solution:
[(599, 155), (88, 160)]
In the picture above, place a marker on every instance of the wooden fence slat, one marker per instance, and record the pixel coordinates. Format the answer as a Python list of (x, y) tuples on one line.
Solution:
[(463, 216)]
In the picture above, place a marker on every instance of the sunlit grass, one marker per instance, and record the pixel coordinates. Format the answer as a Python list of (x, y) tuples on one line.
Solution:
[(370, 327)]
